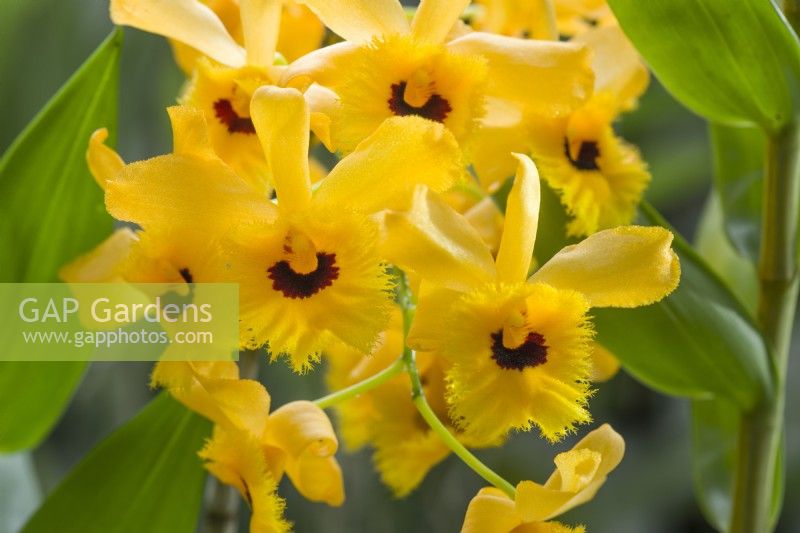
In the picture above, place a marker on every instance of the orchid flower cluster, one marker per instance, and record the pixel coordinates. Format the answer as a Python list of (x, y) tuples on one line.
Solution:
[(440, 330)]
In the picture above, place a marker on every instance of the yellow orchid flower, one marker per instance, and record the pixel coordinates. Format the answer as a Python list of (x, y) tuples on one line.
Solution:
[(579, 474), (308, 268), (238, 460), (387, 68), (225, 73), (599, 177), (520, 350), (252, 448)]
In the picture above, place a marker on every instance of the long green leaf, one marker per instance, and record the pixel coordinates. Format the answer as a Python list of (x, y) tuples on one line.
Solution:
[(713, 245), (50, 211), (738, 177), (699, 342), (733, 62), (145, 477), (715, 425), (33, 396)]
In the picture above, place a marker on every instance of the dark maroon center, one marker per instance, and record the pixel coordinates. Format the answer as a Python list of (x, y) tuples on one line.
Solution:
[(587, 155), (228, 117), (186, 275), (294, 285), (531, 353), (436, 108)]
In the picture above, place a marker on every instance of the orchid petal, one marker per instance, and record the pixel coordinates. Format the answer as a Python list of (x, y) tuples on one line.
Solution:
[(522, 219), (490, 511), (628, 266), (261, 20), (438, 243), (361, 20), (385, 167), (282, 122), (549, 78), (435, 18), (187, 21), (104, 162)]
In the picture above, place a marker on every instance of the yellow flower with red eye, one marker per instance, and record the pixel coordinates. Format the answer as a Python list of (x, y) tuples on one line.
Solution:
[(224, 72), (599, 177), (579, 474), (308, 269), (387, 68), (251, 448), (520, 350)]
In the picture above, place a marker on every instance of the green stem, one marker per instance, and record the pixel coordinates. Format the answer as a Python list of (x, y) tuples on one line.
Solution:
[(418, 397), (761, 429), (362, 386)]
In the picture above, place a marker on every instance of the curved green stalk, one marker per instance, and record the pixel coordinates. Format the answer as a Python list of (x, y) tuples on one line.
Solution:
[(362, 386), (418, 397)]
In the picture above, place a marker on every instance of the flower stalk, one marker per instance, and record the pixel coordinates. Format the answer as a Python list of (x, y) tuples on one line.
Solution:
[(418, 398), (761, 429), (361, 387)]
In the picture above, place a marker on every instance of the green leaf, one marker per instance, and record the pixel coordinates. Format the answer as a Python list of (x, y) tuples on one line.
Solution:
[(715, 427), (715, 433), (713, 245), (738, 178), (551, 236), (52, 210), (698, 342), (145, 477), (732, 62), (33, 396)]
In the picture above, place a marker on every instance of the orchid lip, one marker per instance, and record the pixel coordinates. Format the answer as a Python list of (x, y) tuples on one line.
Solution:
[(435, 108), (299, 286)]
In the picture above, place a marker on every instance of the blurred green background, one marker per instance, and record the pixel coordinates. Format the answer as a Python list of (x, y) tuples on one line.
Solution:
[(43, 41)]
